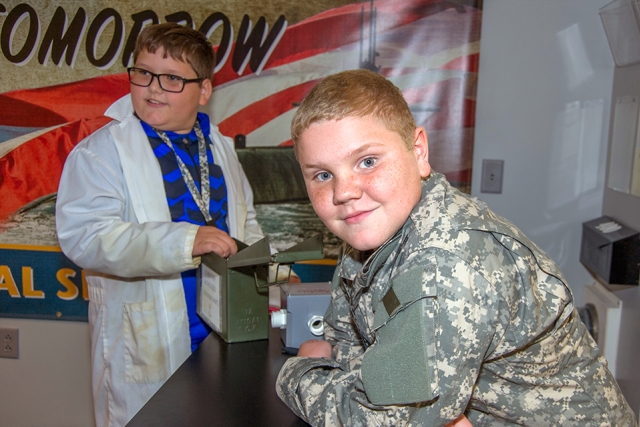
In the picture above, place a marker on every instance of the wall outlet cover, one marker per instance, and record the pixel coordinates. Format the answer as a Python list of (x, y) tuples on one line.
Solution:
[(9, 343)]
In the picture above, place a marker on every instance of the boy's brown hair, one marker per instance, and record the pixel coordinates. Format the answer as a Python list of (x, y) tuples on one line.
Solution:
[(355, 93), (180, 43)]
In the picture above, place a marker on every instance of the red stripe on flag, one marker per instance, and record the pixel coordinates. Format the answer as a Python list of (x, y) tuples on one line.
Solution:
[(54, 105), (459, 176), (32, 170), (19, 113), (464, 63), (259, 113)]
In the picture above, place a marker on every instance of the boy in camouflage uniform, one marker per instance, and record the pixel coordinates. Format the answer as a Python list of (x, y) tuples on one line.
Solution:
[(440, 308)]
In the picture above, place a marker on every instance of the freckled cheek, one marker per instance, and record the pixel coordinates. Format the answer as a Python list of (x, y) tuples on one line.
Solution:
[(375, 185), (322, 201)]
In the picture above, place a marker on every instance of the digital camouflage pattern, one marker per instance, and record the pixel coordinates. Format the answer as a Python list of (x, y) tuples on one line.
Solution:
[(458, 313)]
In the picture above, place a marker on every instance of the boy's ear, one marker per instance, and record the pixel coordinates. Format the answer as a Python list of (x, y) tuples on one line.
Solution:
[(421, 150), (206, 90)]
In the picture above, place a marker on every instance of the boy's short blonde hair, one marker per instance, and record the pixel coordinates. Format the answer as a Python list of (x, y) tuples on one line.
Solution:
[(180, 43), (355, 93)]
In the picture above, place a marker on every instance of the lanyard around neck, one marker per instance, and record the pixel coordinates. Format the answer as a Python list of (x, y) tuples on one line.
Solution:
[(201, 198)]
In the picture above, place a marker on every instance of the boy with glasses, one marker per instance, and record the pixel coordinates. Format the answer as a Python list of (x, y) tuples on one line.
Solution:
[(139, 201)]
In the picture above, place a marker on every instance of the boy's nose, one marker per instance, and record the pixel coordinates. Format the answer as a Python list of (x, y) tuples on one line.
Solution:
[(155, 84), (345, 189)]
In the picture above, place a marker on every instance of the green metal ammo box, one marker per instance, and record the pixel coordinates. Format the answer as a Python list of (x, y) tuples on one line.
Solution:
[(233, 294)]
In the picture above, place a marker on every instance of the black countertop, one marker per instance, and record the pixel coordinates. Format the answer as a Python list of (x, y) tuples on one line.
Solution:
[(223, 384)]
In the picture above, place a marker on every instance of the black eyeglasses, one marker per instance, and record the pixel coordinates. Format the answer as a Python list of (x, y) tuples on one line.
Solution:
[(167, 82)]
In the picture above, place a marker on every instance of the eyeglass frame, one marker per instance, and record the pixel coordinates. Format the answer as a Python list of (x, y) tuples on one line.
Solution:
[(157, 77)]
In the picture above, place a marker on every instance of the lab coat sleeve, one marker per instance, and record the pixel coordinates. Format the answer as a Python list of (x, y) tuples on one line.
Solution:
[(97, 228)]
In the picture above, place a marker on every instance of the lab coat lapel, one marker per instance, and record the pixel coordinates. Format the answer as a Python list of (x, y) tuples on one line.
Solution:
[(139, 164)]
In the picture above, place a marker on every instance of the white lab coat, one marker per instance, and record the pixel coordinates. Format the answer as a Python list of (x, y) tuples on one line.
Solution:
[(113, 220)]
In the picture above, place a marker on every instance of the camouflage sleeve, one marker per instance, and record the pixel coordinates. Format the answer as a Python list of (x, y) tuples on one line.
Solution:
[(329, 392), (290, 377), (339, 330), (325, 394)]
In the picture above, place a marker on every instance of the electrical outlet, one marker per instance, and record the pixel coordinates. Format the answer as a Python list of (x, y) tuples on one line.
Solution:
[(492, 176), (9, 343)]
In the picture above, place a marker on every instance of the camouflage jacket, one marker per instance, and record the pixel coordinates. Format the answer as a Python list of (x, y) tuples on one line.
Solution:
[(457, 313)]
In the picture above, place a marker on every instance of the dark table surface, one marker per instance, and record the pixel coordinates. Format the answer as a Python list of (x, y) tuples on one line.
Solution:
[(223, 384)]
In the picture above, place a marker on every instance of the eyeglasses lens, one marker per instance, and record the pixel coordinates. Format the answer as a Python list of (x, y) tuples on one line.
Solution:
[(167, 82), (171, 83)]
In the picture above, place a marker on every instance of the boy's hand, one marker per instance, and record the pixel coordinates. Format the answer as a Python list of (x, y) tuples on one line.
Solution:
[(461, 421), (210, 239), (294, 279), (315, 348)]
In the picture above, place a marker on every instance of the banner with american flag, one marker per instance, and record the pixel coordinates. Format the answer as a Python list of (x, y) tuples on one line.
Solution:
[(63, 63)]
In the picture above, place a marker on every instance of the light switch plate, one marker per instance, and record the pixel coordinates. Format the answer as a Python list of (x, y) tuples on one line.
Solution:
[(492, 172)]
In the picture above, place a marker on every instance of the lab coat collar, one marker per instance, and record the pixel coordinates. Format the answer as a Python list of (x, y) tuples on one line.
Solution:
[(120, 109)]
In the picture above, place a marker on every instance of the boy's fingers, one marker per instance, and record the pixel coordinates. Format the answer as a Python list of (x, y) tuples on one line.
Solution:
[(461, 421), (210, 239), (315, 348), (224, 250)]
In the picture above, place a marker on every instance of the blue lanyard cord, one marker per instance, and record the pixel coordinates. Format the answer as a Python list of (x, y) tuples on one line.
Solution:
[(203, 197)]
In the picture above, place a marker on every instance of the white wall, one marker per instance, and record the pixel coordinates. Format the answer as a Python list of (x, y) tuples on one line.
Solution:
[(49, 385), (543, 106)]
